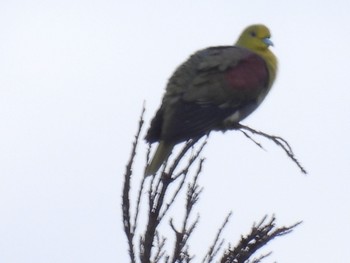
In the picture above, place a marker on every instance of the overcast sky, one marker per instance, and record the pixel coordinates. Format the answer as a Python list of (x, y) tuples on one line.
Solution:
[(74, 76)]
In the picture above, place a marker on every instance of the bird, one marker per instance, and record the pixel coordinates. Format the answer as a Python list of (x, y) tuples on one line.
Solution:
[(213, 88)]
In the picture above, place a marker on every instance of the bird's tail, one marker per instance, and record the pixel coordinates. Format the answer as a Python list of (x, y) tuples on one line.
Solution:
[(162, 153)]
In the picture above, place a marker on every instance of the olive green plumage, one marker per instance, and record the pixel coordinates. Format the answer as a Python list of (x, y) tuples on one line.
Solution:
[(215, 86)]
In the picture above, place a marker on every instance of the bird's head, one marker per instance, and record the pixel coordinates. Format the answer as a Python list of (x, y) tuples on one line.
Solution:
[(255, 37)]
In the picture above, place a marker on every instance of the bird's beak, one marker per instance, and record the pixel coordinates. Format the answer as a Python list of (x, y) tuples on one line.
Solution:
[(268, 41)]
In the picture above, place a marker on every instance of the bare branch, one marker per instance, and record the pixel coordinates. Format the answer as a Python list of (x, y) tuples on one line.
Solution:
[(184, 173), (180, 253), (191, 160), (251, 138), (128, 228), (214, 249), (188, 145), (276, 139), (161, 197), (259, 236), (138, 202), (153, 219), (160, 243), (172, 199)]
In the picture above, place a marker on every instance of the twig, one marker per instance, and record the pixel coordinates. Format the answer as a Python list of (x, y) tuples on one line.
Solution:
[(172, 199), (184, 173), (160, 243), (276, 139), (153, 221), (189, 144), (157, 195), (182, 236), (216, 246), (128, 228), (138, 202), (260, 235), (251, 138), (191, 160)]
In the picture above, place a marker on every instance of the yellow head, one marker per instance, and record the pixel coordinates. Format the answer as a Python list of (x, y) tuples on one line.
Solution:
[(256, 38)]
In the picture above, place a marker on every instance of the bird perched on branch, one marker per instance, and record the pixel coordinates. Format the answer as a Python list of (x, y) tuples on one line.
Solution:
[(214, 88)]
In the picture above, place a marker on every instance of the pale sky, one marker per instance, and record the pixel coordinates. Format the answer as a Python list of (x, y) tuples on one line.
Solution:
[(74, 76)]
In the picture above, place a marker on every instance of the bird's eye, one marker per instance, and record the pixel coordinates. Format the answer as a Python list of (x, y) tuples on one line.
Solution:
[(253, 34)]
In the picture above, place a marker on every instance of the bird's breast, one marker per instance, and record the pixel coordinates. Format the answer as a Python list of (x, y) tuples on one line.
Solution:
[(250, 75)]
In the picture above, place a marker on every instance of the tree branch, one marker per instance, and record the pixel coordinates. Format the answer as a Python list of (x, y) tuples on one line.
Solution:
[(128, 228), (214, 249), (259, 236), (152, 246), (279, 141)]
